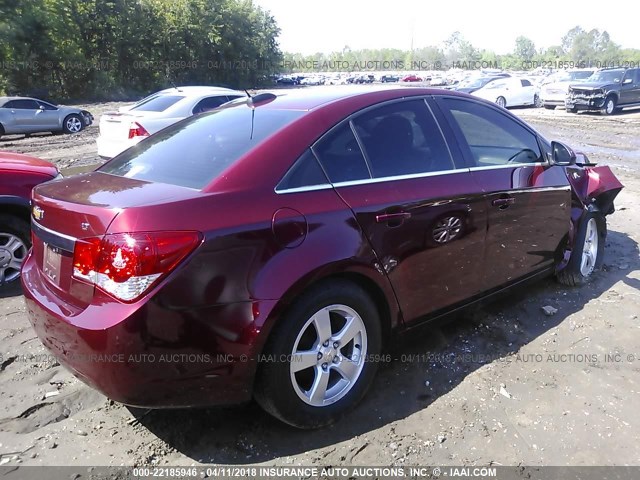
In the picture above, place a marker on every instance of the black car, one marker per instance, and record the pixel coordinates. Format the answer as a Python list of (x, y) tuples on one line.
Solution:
[(389, 78), (608, 90)]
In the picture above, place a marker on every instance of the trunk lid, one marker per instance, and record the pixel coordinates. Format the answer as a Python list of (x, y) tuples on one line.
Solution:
[(81, 207), (115, 125)]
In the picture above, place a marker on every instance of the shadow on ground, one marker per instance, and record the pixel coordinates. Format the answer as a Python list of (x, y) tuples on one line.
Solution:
[(247, 435)]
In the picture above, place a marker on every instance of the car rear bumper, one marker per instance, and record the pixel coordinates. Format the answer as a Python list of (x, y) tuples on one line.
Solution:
[(109, 148), (147, 354)]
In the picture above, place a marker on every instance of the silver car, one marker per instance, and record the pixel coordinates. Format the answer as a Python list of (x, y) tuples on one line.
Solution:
[(30, 115)]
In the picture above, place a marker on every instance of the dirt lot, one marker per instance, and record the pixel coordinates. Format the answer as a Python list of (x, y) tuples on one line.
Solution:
[(505, 386)]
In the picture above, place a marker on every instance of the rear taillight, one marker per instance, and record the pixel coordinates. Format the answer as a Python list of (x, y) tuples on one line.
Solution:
[(137, 130), (126, 265)]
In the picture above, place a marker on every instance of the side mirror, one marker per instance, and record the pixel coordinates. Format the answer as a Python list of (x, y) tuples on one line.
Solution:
[(40, 107), (562, 154), (627, 81)]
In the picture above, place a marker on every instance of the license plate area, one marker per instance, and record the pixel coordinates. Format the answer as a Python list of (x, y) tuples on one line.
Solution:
[(51, 263)]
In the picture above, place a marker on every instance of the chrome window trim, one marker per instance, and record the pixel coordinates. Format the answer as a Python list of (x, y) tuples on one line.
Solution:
[(366, 181), (411, 176), (308, 188), (509, 165)]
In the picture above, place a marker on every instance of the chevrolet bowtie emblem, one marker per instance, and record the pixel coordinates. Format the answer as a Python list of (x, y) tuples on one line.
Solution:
[(38, 213)]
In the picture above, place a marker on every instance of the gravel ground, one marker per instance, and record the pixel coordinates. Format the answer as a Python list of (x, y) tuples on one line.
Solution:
[(507, 385)]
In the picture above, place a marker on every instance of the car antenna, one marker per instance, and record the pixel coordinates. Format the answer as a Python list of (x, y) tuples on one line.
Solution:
[(171, 81), (247, 92)]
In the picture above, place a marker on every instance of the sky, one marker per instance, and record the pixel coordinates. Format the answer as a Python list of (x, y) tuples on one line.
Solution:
[(310, 26)]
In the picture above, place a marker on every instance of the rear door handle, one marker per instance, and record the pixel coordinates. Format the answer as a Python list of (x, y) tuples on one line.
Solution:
[(503, 202), (390, 217)]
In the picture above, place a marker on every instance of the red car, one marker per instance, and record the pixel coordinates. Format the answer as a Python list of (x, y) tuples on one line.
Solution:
[(411, 78), (269, 248), (18, 175)]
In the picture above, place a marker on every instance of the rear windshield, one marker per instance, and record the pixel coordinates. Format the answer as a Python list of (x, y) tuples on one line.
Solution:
[(157, 104), (194, 151)]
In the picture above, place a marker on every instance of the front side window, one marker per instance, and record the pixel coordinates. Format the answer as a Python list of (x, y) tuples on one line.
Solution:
[(493, 138), (402, 138), (46, 106)]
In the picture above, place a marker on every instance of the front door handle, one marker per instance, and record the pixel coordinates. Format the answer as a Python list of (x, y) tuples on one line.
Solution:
[(393, 217), (503, 202)]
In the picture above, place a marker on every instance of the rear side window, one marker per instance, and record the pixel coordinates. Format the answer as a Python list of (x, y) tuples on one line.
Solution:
[(402, 138), (341, 156), (158, 104), (209, 103), (22, 104), (493, 138), (306, 172), (193, 152)]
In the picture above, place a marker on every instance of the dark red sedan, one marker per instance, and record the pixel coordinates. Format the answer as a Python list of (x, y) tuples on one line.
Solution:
[(269, 248), (18, 175)]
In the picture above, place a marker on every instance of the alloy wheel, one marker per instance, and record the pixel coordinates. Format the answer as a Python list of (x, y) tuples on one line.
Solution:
[(74, 125), (13, 252), (328, 355), (610, 106), (590, 248)]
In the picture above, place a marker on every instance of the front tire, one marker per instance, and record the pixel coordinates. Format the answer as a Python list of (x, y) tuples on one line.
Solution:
[(550, 107), (72, 124), (609, 105), (14, 245), (315, 368), (588, 251)]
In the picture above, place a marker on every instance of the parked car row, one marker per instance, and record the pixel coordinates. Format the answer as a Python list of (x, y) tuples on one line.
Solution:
[(277, 241)]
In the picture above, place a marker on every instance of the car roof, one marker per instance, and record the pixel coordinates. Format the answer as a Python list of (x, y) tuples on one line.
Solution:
[(194, 90), (6, 99), (310, 98)]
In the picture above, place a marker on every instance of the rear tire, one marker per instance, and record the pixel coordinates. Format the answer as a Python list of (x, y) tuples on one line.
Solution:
[(501, 102), (537, 102), (15, 241), (316, 367), (1, 130), (72, 124), (588, 251), (550, 107)]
